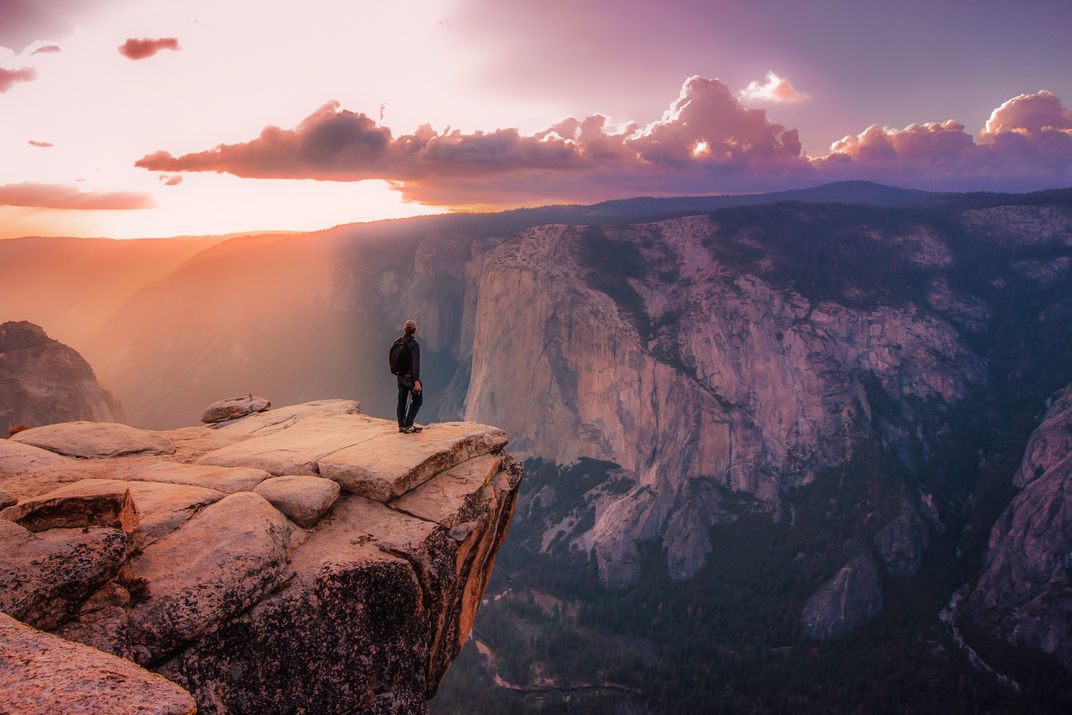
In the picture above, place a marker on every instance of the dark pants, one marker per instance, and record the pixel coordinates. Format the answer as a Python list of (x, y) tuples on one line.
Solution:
[(405, 390)]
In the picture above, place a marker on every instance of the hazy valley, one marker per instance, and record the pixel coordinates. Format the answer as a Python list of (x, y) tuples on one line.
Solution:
[(768, 437)]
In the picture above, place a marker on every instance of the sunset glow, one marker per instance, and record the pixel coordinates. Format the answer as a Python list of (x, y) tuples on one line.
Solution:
[(124, 98)]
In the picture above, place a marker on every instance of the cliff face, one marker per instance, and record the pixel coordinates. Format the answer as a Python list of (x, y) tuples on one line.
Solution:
[(1025, 591), (43, 381), (653, 346), (226, 558)]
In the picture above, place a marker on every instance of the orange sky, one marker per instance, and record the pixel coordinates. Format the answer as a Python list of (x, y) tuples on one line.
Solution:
[(490, 79)]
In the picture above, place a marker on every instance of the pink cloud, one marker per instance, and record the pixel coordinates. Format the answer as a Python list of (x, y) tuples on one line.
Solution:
[(173, 180), (46, 49), (705, 142), (774, 89), (9, 77), (705, 139), (140, 49), (1029, 114), (1026, 144), (40, 144), (52, 196)]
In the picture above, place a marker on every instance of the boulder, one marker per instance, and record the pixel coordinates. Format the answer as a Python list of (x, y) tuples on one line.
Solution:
[(304, 499), (852, 597), (222, 479), (392, 464), (84, 503), (218, 564), (163, 507), (7, 500), (18, 457), (94, 440), (233, 408), (44, 578), (42, 673)]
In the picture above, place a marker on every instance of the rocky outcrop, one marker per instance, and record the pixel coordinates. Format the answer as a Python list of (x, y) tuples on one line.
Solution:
[(1025, 591), (902, 541), (41, 673), (43, 381), (684, 370), (852, 597), (234, 407), (83, 504), (267, 593)]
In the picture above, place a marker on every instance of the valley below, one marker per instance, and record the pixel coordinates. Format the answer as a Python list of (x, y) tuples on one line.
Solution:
[(766, 439)]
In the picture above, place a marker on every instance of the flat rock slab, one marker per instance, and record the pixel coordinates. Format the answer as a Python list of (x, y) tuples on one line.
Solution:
[(94, 440), (448, 497), (217, 565), (18, 457), (282, 418), (84, 503), (221, 479), (391, 464), (42, 673), (298, 448), (45, 577), (304, 499), (163, 507)]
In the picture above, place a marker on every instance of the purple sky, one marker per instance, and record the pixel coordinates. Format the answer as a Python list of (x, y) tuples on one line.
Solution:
[(157, 117)]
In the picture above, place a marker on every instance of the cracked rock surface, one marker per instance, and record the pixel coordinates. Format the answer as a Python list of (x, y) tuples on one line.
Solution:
[(302, 559)]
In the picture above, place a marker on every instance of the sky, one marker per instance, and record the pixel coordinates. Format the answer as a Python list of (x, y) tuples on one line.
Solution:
[(131, 118)]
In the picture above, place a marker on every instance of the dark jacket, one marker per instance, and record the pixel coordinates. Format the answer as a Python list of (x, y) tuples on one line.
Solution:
[(412, 356)]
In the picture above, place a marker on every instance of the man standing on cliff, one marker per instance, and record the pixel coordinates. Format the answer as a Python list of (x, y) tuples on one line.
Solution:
[(405, 360)]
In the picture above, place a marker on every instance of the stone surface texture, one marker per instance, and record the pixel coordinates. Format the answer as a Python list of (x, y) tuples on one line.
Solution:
[(94, 440), (233, 408), (771, 378), (43, 381), (1025, 591), (303, 499), (81, 504), (19, 457), (851, 598), (260, 593), (42, 673)]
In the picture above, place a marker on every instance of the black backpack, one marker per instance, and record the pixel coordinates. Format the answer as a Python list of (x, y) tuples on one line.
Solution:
[(399, 348)]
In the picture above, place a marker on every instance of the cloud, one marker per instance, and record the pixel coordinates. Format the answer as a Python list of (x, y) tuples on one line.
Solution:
[(52, 196), (173, 180), (775, 89), (1029, 115), (705, 142), (10, 77), (40, 144), (1026, 144), (46, 49), (135, 49)]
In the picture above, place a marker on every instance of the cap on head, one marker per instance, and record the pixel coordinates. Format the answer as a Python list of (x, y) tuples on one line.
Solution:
[(410, 327)]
